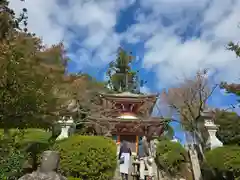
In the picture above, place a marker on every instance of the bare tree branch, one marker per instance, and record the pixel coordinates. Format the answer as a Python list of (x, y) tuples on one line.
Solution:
[(189, 100)]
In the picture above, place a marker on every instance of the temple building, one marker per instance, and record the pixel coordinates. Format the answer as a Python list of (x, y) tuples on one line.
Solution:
[(130, 117)]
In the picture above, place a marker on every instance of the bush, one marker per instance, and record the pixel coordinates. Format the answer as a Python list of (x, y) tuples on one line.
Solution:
[(32, 143), (170, 156), (225, 159), (87, 157), (12, 157), (73, 178)]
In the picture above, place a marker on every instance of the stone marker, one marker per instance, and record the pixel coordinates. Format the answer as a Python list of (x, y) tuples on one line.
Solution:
[(48, 168)]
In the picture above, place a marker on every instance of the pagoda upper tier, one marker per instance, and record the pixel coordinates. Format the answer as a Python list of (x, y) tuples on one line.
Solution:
[(129, 104)]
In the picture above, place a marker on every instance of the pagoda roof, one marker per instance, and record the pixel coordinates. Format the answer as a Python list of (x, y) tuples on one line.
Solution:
[(128, 95), (142, 101)]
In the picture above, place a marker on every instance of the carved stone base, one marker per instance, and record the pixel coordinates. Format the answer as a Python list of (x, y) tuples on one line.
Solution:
[(43, 176)]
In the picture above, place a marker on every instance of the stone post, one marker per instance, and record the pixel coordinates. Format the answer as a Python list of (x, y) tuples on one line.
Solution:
[(194, 162), (193, 154), (50, 161), (212, 142), (66, 124), (48, 168), (153, 169)]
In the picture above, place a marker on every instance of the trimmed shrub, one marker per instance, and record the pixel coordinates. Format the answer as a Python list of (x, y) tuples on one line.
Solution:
[(225, 159), (87, 157), (170, 156), (11, 156)]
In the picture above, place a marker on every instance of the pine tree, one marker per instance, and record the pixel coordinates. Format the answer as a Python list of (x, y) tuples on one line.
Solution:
[(120, 73)]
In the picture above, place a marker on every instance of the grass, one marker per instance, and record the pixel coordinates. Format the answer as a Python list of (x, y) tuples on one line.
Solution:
[(30, 135)]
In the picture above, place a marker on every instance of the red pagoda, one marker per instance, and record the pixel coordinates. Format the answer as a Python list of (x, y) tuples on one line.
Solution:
[(131, 117)]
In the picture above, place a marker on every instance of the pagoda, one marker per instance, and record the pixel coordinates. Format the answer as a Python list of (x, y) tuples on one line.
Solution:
[(131, 117)]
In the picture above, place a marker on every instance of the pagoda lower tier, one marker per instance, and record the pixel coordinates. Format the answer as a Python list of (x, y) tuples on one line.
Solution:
[(130, 130)]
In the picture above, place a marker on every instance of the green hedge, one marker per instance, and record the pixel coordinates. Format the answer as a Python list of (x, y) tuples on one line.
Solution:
[(87, 157), (170, 156), (226, 159)]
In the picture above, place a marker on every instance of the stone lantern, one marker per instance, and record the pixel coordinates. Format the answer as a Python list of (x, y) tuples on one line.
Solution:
[(213, 141), (66, 124)]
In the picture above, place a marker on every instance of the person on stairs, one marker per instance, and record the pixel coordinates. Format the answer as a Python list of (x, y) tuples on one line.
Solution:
[(144, 158), (124, 158), (141, 156)]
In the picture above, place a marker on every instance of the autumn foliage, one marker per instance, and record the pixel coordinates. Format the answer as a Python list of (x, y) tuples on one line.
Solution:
[(32, 75)]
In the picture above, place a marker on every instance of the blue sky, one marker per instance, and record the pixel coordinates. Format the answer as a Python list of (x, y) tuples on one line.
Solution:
[(170, 39)]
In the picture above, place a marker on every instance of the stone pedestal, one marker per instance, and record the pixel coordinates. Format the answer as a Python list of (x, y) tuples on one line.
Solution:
[(66, 125)]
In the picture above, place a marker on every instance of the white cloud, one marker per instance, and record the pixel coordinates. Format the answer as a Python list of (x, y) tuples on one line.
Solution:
[(136, 33), (170, 57), (216, 12), (91, 21), (39, 21), (172, 7), (92, 25)]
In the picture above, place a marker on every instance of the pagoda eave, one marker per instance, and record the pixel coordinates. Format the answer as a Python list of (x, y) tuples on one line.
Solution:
[(149, 127), (128, 97), (154, 120)]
